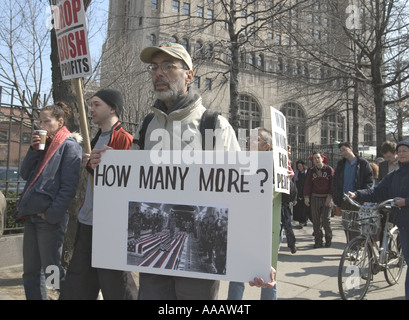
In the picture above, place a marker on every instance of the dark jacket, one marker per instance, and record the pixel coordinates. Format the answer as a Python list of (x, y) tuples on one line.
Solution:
[(383, 169), (363, 178), (395, 184), (292, 196), (53, 191)]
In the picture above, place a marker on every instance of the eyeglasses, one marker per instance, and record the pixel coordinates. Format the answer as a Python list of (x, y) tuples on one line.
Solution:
[(403, 151), (166, 67)]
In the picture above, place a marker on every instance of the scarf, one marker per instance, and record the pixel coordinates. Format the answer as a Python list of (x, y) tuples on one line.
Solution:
[(55, 144)]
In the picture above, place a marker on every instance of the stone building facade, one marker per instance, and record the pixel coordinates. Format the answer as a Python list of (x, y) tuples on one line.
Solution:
[(276, 67)]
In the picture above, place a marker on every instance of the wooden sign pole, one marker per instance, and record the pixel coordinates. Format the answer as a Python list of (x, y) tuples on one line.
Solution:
[(83, 115)]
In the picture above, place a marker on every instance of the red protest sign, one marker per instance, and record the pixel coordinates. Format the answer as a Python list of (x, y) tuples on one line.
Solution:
[(72, 38)]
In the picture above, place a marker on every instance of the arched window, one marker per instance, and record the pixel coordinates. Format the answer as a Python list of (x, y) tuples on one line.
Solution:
[(185, 44), (260, 62), (152, 40), (296, 123), (251, 59), (173, 39), (332, 128), (199, 49), (209, 52), (249, 112)]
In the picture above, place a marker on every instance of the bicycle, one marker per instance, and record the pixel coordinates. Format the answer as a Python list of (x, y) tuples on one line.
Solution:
[(362, 257)]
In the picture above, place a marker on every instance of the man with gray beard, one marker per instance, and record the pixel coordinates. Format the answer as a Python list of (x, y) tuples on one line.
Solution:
[(177, 112), (175, 125)]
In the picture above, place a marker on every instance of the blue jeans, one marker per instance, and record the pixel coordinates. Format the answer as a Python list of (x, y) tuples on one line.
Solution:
[(404, 241), (236, 290), (42, 247)]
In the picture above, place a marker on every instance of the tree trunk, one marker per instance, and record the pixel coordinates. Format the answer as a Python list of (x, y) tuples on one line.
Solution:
[(379, 101), (234, 70), (355, 120)]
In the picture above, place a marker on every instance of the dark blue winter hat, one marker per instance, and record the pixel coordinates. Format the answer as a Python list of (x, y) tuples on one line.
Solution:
[(402, 143)]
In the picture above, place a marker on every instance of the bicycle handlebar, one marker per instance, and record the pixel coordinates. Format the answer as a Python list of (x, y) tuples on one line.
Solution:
[(352, 201), (381, 205)]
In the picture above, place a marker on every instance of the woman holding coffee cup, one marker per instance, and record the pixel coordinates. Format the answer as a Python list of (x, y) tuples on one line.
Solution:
[(51, 169)]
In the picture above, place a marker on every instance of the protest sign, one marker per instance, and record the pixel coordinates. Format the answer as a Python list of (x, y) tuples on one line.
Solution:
[(72, 38), (209, 220), (73, 51), (280, 151)]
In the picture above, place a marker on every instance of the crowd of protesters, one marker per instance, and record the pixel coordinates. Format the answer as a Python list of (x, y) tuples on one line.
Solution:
[(318, 189)]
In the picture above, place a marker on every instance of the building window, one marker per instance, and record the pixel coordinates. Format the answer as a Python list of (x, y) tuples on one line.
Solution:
[(4, 136), (249, 114), (332, 128), (196, 82), (251, 59), (208, 84), (200, 12), (209, 14), (260, 62), (199, 49), (175, 6), (278, 39), (152, 40), (186, 9), (185, 44), (155, 5), (279, 66), (296, 123), (208, 52)]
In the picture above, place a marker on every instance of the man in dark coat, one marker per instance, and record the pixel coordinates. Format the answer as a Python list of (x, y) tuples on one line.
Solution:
[(352, 173)]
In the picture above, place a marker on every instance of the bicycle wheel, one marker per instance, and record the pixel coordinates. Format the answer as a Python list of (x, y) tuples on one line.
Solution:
[(355, 269), (394, 258)]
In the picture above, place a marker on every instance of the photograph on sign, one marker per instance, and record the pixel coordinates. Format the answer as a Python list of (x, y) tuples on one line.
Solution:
[(198, 221), (177, 236)]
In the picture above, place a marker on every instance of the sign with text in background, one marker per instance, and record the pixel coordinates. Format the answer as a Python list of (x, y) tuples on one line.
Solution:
[(280, 151), (205, 218), (72, 39)]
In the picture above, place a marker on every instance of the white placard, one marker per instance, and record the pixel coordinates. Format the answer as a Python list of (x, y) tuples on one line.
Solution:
[(72, 39), (280, 151), (204, 218)]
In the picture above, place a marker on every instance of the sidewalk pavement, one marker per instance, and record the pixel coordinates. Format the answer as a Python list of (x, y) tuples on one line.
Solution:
[(312, 274), (309, 274)]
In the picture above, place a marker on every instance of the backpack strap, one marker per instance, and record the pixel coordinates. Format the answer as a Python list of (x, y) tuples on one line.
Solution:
[(208, 121), (142, 132)]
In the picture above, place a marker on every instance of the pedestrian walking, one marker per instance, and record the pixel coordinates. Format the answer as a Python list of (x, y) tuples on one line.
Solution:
[(300, 209), (318, 194), (351, 173), (388, 150)]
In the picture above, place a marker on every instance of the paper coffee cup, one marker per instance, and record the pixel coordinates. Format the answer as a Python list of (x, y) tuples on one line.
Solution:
[(43, 137)]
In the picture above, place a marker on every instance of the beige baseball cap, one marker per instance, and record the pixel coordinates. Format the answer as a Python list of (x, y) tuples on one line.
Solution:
[(175, 50)]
